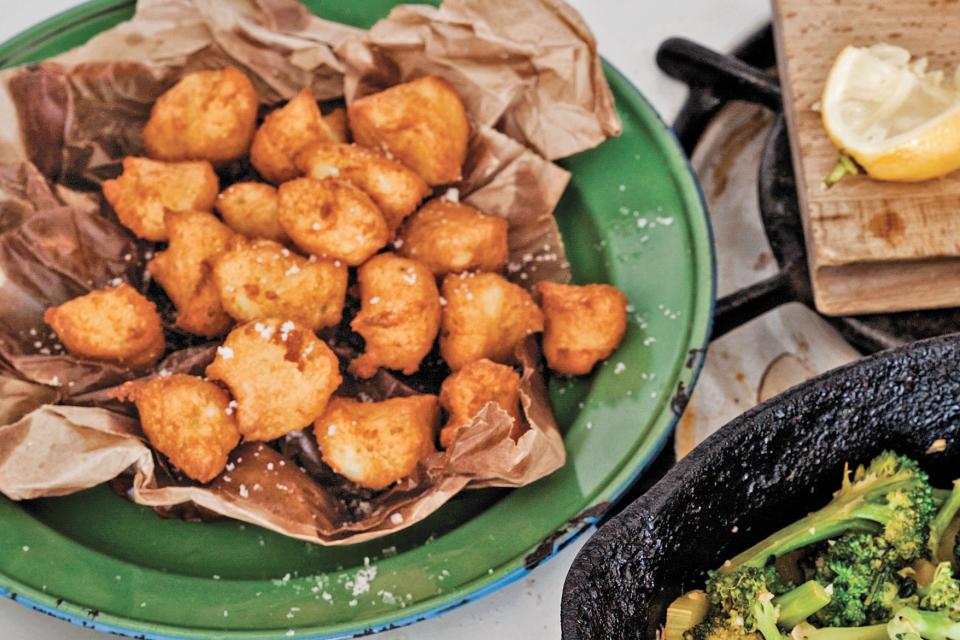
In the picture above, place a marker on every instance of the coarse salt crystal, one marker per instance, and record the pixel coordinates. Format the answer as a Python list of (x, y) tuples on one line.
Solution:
[(452, 194), (374, 299), (315, 226), (293, 270), (225, 352), (396, 518)]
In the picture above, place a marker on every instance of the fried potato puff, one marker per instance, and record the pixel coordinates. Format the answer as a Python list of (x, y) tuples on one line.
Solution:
[(374, 444), (450, 237), (250, 208), (185, 270), (262, 279), (115, 325), (190, 421), (583, 324), (331, 218), (393, 187), (464, 393), (336, 120), (147, 188), (485, 317), (399, 315), (286, 131), (422, 123), (280, 374), (207, 115)]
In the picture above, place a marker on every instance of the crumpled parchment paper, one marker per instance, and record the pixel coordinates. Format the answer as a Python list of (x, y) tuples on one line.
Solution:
[(534, 89)]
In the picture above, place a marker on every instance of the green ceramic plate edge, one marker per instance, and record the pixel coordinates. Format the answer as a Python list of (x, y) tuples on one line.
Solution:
[(16, 524)]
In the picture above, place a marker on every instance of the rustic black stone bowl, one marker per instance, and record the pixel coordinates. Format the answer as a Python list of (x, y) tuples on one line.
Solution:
[(758, 473)]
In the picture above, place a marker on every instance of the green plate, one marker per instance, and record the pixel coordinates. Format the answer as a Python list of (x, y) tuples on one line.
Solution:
[(632, 216)]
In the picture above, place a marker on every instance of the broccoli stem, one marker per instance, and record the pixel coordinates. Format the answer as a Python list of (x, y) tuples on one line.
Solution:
[(799, 604), (765, 618), (930, 625), (943, 518), (830, 522), (685, 613), (874, 632), (853, 508)]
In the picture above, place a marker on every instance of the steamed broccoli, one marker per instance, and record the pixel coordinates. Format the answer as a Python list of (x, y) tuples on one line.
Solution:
[(860, 570), (943, 592), (891, 497), (940, 522), (749, 602), (913, 624)]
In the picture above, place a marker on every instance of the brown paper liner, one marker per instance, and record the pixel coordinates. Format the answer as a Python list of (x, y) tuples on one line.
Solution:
[(532, 82)]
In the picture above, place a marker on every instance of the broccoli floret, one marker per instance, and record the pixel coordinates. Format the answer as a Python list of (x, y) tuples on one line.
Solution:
[(874, 632), (749, 603), (860, 571), (720, 628), (891, 497), (943, 592), (911, 624)]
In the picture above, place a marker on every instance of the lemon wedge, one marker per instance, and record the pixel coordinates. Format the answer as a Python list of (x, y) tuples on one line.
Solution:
[(897, 120)]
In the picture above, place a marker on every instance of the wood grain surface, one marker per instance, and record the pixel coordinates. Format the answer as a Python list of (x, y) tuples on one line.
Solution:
[(873, 246)]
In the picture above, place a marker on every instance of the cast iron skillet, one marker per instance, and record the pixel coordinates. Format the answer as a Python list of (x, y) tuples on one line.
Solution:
[(758, 473)]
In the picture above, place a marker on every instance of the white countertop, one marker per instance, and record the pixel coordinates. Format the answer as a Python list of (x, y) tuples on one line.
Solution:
[(628, 33)]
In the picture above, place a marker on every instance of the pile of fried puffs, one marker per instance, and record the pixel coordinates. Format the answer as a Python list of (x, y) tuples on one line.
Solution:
[(267, 266)]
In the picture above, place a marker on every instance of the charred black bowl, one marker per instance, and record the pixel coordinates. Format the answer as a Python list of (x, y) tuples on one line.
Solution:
[(758, 473)]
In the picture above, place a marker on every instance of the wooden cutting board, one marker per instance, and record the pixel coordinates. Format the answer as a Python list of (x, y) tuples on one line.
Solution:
[(872, 246)]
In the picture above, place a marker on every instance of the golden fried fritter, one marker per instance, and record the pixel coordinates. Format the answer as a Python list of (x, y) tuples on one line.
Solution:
[(450, 237), (374, 444), (399, 314), (422, 123), (583, 324), (116, 325), (337, 121), (280, 374), (250, 208), (185, 270), (393, 187), (207, 115), (485, 317), (262, 279), (331, 218), (464, 393), (147, 188), (286, 131), (190, 421)]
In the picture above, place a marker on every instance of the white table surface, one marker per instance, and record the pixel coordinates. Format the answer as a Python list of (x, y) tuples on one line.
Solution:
[(628, 33)]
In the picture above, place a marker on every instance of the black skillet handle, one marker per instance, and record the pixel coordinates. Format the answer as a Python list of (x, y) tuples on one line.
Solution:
[(727, 77), (714, 79), (744, 305)]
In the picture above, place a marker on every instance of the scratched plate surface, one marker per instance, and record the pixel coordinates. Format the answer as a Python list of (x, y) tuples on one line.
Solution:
[(632, 216)]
